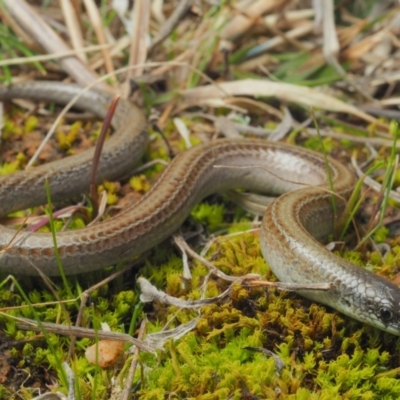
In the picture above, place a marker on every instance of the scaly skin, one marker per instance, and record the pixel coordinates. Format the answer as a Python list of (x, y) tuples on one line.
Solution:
[(289, 230)]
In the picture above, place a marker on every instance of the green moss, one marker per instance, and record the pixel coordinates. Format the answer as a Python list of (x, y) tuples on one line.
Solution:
[(392, 258), (375, 258), (9, 168), (210, 215), (111, 189), (314, 143), (381, 234), (212, 362), (5, 393), (31, 123), (66, 140), (354, 257), (325, 354), (75, 222), (140, 183), (240, 224)]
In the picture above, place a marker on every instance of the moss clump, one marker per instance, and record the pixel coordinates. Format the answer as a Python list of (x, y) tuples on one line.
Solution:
[(381, 234), (140, 183), (66, 140), (326, 355), (112, 189), (209, 215), (314, 143), (14, 166)]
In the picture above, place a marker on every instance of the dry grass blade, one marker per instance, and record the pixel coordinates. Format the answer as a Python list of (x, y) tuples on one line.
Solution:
[(276, 41), (95, 19), (248, 16), (74, 28), (331, 43), (213, 55), (52, 56), (173, 20), (37, 28), (138, 50), (284, 91)]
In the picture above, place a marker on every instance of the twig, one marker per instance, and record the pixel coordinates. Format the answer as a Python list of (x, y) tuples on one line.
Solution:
[(373, 141), (129, 379), (52, 56), (250, 279), (215, 271), (65, 330), (179, 241), (85, 295), (290, 287), (71, 381)]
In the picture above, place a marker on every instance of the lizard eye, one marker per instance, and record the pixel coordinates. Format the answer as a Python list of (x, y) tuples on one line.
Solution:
[(385, 314)]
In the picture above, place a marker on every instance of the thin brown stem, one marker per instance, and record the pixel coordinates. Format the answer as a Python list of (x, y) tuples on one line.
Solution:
[(99, 148)]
